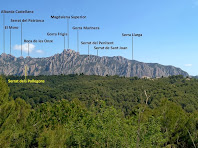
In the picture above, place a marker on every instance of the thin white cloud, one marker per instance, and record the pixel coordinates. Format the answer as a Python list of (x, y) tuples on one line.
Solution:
[(188, 65), (39, 51), (25, 47)]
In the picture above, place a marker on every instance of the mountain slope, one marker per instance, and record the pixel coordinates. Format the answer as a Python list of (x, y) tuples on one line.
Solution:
[(71, 62)]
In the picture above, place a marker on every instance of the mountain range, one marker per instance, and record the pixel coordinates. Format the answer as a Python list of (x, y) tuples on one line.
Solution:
[(71, 62)]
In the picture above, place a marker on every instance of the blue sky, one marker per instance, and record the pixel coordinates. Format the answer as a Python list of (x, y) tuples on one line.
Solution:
[(169, 28)]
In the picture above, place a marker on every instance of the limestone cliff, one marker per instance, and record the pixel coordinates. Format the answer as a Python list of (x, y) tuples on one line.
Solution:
[(71, 62)]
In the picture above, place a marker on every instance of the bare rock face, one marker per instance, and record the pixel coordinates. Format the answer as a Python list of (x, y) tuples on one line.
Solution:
[(71, 62)]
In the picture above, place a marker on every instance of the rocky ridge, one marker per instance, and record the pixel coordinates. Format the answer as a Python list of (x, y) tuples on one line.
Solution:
[(71, 62)]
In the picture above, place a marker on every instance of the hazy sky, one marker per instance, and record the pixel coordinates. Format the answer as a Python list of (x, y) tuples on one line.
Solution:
[(169, 28)]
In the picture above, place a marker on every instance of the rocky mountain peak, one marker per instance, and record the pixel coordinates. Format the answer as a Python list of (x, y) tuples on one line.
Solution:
[(70, 61), (70, 52)]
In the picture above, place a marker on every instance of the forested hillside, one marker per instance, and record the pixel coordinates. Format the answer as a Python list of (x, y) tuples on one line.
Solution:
[(95, 111), (120, 92)]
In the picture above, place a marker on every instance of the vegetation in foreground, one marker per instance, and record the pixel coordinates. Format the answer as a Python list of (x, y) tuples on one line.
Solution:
[(99, 112)]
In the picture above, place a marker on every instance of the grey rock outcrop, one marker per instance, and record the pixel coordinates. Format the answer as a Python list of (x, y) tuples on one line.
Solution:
[(71, 62)]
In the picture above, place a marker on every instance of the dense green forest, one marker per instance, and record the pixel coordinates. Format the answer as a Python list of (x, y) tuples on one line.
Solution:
[(95, 111), (120, 92)]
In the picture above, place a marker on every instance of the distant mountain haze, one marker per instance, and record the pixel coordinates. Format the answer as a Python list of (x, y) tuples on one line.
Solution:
[(71, 62)]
